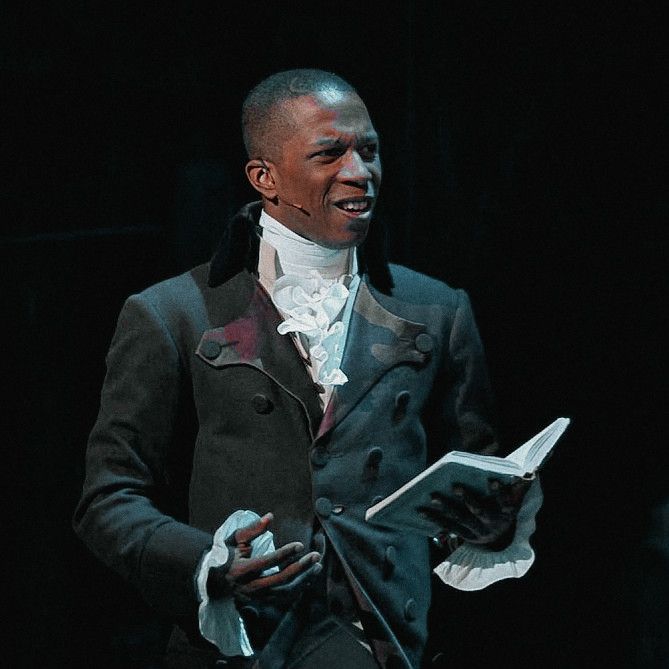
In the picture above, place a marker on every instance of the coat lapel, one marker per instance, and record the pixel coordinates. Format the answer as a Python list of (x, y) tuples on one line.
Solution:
[(252, 339), (377, 340)]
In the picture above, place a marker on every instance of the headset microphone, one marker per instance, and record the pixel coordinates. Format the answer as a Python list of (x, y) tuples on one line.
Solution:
[(295, 205), (299, 208)]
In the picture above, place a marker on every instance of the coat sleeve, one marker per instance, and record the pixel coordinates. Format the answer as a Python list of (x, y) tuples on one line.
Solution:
[(121, 515), (468, 407), (470, 413)]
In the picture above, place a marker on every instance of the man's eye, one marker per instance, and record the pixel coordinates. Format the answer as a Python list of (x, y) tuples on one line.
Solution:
[(334, 152), (368, 152)]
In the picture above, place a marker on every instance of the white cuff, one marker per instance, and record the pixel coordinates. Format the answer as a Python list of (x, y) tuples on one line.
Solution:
[(473, 567), (219, 619)]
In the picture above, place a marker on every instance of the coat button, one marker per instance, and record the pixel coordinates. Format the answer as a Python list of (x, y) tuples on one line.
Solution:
[(401, 403), (370, 470), (389, 561), (262, 403), (210, 349), (319, 456), (374, 457), (410, 610), (377, 499), (323, 507), (424, 342)]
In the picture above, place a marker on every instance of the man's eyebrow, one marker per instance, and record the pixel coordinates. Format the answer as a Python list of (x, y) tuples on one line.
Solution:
[(331, 141)]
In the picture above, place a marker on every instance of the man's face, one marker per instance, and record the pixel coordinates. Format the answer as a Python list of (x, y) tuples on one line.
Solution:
[(328, 172)]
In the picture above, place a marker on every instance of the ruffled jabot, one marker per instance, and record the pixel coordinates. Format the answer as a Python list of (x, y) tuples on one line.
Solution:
[(311, 288)]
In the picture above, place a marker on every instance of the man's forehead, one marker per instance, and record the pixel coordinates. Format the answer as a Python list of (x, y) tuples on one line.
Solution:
[(325, 116), (329, 95)]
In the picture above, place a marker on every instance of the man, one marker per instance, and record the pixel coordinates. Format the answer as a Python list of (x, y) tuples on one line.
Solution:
[(299, 376)]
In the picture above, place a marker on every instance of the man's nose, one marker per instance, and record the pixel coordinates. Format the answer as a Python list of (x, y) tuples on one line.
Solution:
[(355, 169)]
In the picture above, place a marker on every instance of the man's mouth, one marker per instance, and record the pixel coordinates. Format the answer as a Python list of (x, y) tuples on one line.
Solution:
[(355, 206)]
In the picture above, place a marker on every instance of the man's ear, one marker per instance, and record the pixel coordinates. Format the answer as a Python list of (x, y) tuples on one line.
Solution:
[(260, 177)]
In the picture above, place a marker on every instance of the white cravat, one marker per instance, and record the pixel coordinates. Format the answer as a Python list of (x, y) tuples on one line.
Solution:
[(313, 288)]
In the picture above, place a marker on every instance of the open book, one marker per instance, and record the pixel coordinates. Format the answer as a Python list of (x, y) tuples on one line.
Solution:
[(469, 469)]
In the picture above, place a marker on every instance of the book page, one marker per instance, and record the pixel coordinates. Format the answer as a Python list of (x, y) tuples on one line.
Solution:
[(531, 454)]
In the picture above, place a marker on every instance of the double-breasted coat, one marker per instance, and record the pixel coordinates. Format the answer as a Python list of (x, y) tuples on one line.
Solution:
[(206, 409)]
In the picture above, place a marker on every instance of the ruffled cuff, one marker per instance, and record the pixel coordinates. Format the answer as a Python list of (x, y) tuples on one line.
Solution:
[(219, 620), (474, 567)]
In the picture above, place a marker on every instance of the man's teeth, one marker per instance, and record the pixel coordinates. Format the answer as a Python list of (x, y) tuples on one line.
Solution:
[(354, 206)]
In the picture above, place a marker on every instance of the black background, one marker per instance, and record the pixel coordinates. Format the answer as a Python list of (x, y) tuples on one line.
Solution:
[(523, 149)]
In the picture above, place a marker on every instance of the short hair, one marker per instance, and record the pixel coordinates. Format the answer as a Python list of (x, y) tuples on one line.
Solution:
[(264, 120)]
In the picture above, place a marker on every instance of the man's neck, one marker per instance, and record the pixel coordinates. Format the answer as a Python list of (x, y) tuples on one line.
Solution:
[(282, 251)]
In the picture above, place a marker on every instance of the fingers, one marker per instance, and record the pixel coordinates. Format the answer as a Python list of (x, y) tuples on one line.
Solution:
[(503, 499), (308, 563), (465, 510), (252, 565), (473, 502), (508, 497), (318, 542), (245, 535), (466, 513), (518, 490), (449, 522), (302, 580), (476, 517)]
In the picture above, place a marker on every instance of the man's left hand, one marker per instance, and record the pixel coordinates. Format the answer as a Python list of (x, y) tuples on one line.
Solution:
[(478, 519)]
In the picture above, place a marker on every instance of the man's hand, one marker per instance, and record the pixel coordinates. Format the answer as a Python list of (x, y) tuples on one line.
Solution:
[(478, 519), (241, 576)]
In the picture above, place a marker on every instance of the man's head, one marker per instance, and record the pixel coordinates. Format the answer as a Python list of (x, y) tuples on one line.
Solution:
[(313, 155)]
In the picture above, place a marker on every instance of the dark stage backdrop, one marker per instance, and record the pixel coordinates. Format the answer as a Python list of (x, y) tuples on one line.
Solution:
[(522, 147)]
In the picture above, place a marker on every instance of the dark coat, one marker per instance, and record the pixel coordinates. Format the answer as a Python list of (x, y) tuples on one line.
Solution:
[(207, 409)]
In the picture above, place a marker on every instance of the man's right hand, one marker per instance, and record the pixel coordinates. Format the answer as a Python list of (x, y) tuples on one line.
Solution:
[(241, 576)]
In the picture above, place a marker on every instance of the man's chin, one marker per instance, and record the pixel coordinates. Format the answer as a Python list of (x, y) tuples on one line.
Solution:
[(358, 230), (354, 236)]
